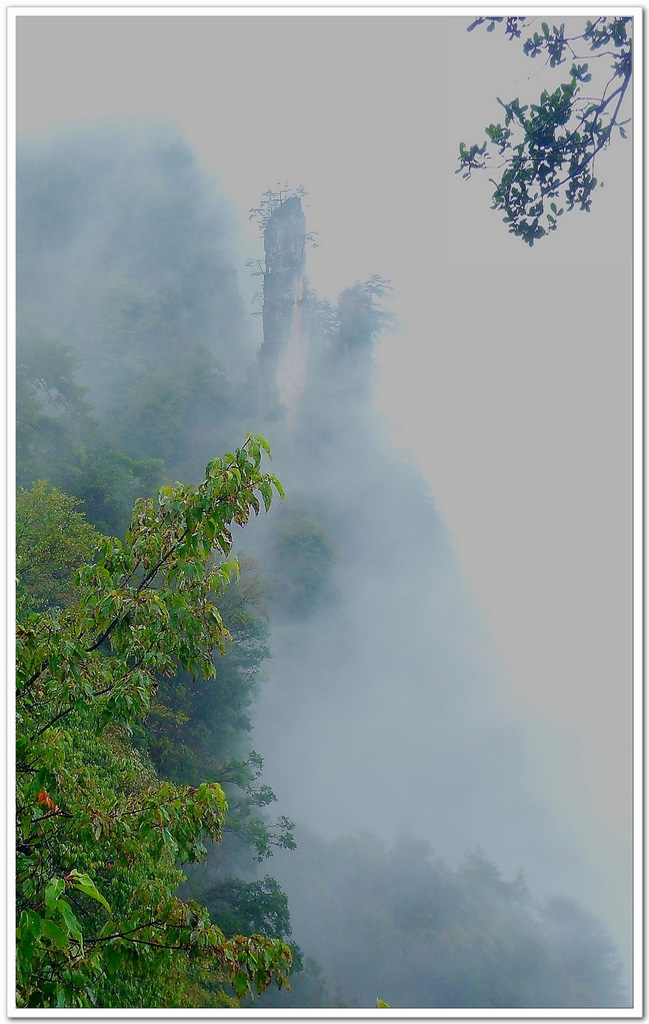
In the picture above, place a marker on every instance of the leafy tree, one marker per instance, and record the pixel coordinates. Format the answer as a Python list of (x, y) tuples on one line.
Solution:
[(107, 480), (48, 370), (246, 795), (321, 317), (302, 556), (196, 727), (548, 149), (360, 317), (248, 908), (196, 717), (161, 413), (256, 907), (59, 438), (52, 540), (99, 836)]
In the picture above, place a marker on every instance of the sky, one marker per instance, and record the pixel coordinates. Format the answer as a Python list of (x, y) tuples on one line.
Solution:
[(509, 380)]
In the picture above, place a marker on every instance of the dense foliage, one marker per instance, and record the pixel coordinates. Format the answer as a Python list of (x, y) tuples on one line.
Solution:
[(53, 539), (59, 438), (100, 836), (548, 148)]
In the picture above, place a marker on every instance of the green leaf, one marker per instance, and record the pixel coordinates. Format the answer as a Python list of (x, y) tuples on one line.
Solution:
[(264, 444), (53, 890), (28, 931), (52, 931), (240, 984), (70, 921), (277, 485), (85, 884)]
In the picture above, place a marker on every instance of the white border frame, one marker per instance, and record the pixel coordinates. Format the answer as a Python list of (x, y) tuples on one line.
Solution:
[(266, 9)]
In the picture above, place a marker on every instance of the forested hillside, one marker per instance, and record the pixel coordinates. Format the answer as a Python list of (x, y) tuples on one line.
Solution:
[(187, 651)]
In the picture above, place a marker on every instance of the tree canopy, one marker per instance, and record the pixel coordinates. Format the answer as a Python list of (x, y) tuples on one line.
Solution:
[(100, 836), (548, 149)]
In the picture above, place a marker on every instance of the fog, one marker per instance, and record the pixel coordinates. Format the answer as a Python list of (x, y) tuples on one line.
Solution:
[(451, 661)]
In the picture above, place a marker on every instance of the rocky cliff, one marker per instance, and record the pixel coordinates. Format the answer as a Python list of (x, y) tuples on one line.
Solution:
[(283, 354)]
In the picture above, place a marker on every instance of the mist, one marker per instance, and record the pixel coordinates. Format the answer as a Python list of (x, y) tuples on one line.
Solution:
[(430, 715)]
